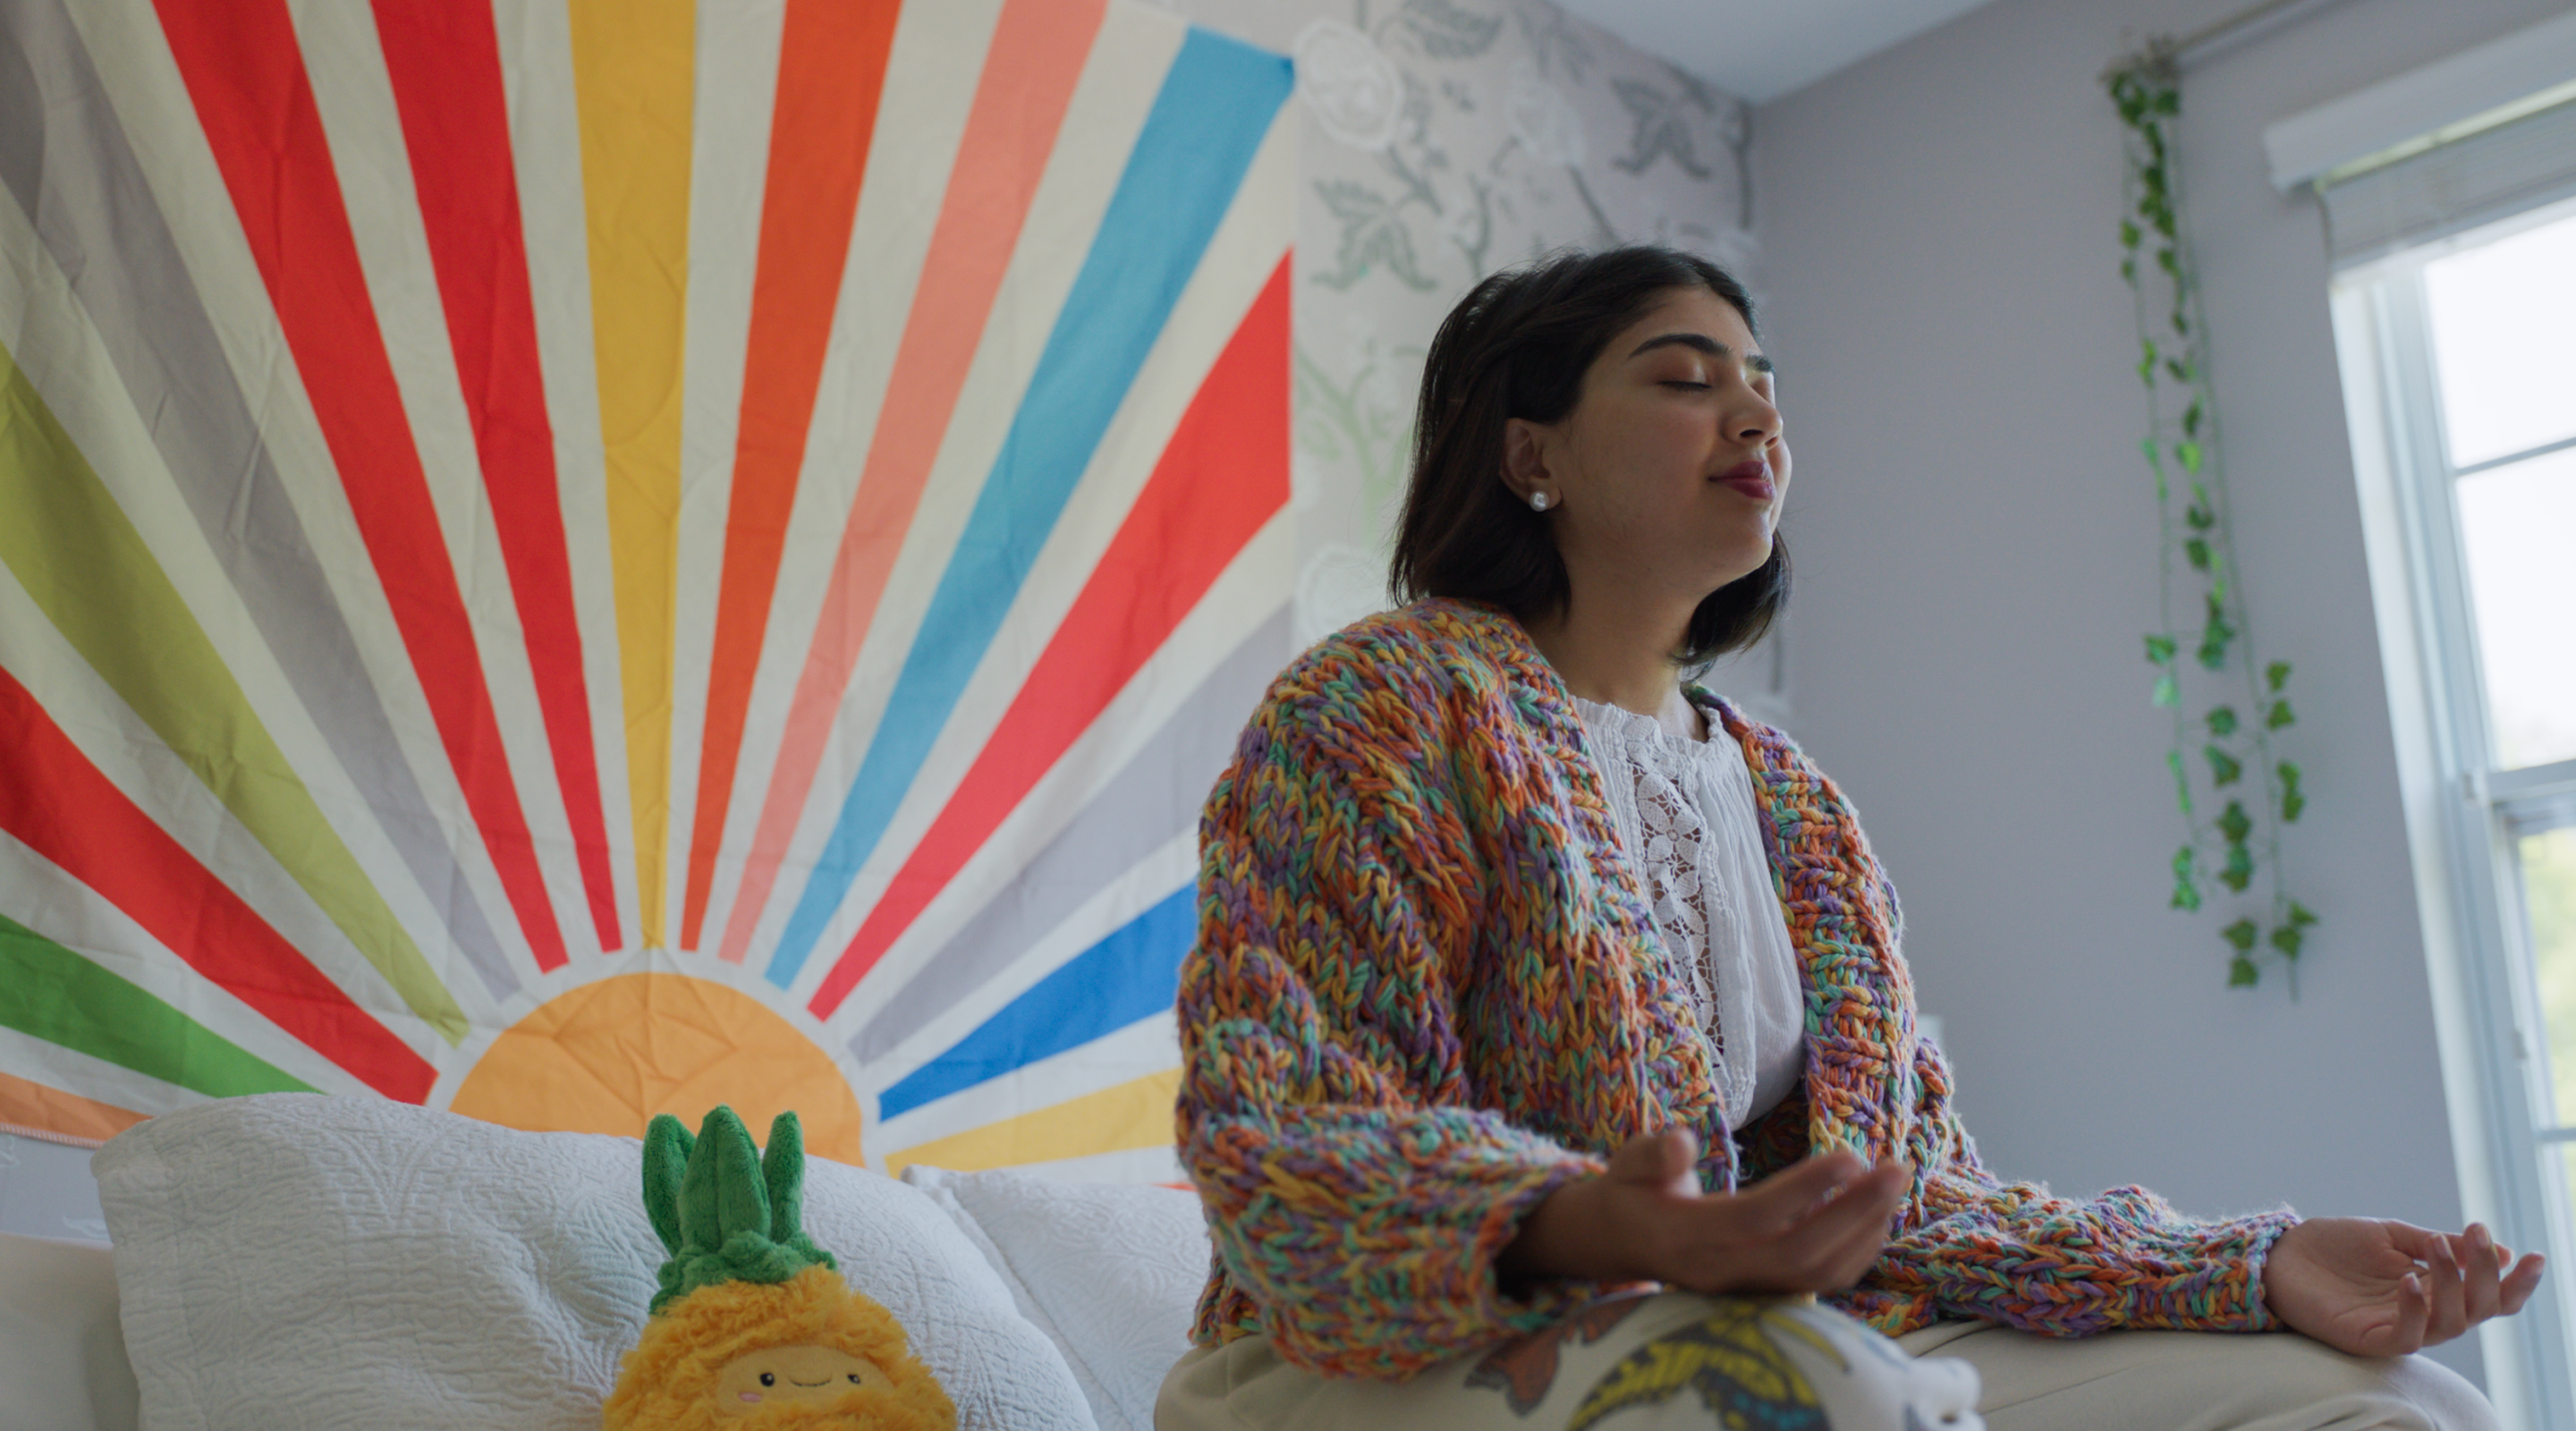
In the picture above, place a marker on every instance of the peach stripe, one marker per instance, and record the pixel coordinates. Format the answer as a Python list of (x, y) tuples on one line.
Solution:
[(1039, 47), (49, 1113)]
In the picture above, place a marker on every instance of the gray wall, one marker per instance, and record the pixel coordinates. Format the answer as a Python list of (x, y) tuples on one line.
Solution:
[(1977, 541)]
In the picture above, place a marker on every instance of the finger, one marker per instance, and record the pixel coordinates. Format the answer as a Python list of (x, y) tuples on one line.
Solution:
[(2414, 1312), (2480, 1290), (2520, 1284), (1661, 1160), (1785, 1199), (2448, 1317), (1833, 1247)]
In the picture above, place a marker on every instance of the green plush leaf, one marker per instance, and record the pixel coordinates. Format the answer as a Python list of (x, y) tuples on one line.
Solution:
[(2300, 916), (782, 1173), (666, 1161), (2277, 675), (2165, 260), (2167, 694), (2160, 649), (2241, 973), (2234, 823), (2293, 805), (2223, 767), (2222, 721), (2239, 869), (2287, 939), (2128, 234), (2278, 716), (2196, 551), (2242, 934), (2293, 799), (2188, 454)]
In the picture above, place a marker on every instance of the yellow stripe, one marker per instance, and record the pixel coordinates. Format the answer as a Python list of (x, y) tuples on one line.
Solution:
[(632, 64), (1136, 1114)]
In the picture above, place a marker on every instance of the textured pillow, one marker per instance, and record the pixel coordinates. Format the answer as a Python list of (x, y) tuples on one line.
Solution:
[(1111, 1273), (294, 1261)]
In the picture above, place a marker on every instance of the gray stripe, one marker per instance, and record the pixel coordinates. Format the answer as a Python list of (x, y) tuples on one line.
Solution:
[(64, 155), (1155, 797)]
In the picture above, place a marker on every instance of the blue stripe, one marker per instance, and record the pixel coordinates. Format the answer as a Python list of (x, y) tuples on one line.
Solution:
[(1215, 108), (1135, 973)]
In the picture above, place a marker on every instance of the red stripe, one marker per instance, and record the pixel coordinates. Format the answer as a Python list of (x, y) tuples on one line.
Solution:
[(445, 62), (246, 77), (831, 69), (65, 809), (1223, 474)]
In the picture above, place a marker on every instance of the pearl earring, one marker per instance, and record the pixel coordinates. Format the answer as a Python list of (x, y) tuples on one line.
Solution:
[(1538, 501)]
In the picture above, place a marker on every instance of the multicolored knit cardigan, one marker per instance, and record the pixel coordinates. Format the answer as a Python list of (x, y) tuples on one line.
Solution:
[(1426, 993)]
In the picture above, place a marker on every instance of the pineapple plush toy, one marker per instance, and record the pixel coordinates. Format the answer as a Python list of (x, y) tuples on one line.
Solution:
[(753, 1328)]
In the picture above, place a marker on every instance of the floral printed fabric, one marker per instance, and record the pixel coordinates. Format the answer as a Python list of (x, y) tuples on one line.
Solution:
[(1426, 993)]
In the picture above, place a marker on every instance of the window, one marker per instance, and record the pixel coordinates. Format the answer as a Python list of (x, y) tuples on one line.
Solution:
[(2460, 375)]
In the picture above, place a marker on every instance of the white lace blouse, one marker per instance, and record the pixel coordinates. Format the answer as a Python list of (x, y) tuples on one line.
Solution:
[(1686, 816)]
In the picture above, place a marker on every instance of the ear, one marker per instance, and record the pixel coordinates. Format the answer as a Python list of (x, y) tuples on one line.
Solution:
[(1526, 459), (666, 1159), (782, 1167)]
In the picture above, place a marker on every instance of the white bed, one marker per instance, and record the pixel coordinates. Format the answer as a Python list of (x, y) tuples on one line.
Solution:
[(296, 1263)]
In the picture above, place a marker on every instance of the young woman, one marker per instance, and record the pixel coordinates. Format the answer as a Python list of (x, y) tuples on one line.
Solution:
[(1547, 1031)]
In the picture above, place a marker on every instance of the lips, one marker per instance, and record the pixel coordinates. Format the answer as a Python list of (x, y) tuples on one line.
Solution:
[(1752, 478)]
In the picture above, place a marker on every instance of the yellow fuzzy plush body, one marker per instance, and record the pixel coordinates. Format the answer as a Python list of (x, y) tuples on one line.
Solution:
[(673, 1380), (752, 1328)]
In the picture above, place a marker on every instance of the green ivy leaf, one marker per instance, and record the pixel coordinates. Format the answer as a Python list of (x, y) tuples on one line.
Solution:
[(2200, 517), (2241, 973), (2181, 369), (2196, 550), (2147, 362), (2169, 101), (2300, 916), (2182, 781), (2279, 716), (2234, 823), (2287, 940), (2165, 260), (2186, 893), (2167, 693), (2129, 234), (2188, 454), (2242, 934), (2277, 675), (2222, 721), (2293, 805), (2191, 418), (2160, 649), (2223, 767), (2239, 871), (2129, 271)]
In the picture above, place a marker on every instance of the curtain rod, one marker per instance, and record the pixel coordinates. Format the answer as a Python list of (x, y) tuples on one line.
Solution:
[(2246, 25)]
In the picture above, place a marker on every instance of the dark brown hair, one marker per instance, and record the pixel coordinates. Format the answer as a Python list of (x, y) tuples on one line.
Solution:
[(1518, 345)]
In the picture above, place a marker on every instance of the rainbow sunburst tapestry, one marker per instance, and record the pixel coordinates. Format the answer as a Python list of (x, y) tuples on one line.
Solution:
[(562, 560)]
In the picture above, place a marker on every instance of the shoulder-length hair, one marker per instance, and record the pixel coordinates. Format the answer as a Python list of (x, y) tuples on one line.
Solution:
[(1518, 345)]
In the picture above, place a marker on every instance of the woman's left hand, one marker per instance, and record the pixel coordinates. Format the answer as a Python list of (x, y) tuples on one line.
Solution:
[(2378, 1288)]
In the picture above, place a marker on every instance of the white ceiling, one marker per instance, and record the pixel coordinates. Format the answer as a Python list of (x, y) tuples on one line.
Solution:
[(1761, 49)]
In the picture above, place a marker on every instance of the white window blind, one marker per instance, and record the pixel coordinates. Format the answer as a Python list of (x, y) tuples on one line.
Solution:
[(2452, 186)]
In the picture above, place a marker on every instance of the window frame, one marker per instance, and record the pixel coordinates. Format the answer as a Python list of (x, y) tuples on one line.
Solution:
[(2460, 811)]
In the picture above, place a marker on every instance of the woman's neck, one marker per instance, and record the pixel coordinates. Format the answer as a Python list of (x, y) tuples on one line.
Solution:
[(1619, 655)]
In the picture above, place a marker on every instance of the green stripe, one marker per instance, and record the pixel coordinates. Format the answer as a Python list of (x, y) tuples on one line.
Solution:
[(58, 996), (72, 547)]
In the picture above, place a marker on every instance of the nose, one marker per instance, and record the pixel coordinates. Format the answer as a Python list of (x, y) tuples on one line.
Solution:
[(1753, 419)]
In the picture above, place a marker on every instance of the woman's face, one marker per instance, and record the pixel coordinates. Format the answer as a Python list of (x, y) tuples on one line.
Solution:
[(1671, 468)]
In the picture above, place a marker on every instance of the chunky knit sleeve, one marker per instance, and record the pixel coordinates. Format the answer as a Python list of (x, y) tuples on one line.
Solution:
[(1356, 1196), (1972, 1245)]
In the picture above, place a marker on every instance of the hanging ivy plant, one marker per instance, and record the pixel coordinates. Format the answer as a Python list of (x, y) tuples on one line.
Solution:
[(2221, 756)]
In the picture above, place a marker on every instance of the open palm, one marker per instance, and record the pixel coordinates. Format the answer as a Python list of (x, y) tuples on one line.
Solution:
[(2374, 1287)]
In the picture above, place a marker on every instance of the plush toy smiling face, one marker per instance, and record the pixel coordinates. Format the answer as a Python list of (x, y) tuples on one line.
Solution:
[(803, 1372)]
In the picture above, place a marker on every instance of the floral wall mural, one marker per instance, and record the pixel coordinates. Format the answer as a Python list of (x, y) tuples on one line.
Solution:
[(1441, 140)]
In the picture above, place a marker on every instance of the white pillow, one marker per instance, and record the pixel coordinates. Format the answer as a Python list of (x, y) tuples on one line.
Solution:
[(60, 1358), (294, 1261), (1111, 1273)]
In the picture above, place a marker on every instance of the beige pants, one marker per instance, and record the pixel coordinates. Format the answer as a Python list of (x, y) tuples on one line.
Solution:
[(1676, 1360)]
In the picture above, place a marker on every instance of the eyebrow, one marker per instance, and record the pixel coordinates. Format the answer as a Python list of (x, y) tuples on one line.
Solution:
[(1700, 343)]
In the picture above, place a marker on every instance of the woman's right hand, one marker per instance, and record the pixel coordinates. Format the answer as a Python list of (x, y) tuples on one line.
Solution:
[(1815, 1227)]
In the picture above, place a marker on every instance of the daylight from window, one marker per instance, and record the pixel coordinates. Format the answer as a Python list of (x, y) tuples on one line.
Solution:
[(2500, 317)]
